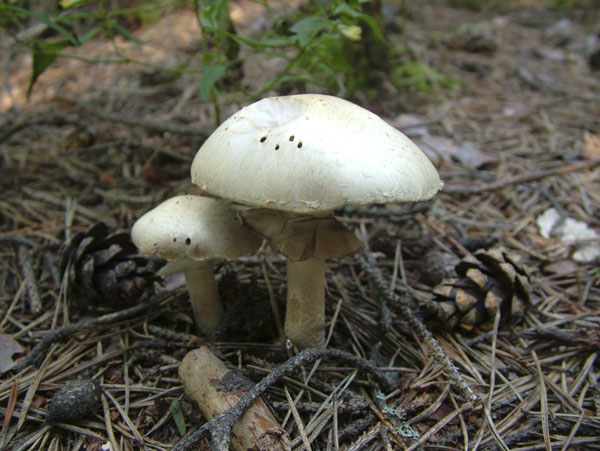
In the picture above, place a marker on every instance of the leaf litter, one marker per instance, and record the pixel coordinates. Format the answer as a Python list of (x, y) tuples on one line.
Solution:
[(534, 379)]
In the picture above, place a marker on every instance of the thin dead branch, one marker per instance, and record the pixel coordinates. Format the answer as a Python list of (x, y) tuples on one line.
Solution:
[(39, 350), (154, 125), (369, 265), (33, 291), (434, 120), (216, 388), (529, 176), (54, 118), (220, 426)]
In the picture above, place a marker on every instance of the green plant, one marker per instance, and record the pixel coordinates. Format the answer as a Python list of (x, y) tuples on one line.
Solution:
[(568, 5), (412, 75), (76, 22), (481, 5), (335, 45), (338, 45), (220, 49)]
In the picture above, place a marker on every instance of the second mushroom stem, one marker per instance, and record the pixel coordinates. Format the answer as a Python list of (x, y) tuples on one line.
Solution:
[(204, 297), (305, 314)]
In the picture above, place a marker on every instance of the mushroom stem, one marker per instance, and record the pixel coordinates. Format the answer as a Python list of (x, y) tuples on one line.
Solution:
[(204, 297), (305, 314)]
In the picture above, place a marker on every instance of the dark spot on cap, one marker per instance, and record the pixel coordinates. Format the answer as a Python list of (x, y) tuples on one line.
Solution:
[(188, 241), (299, 145), (263, 139), (292, 138), (277, 147)]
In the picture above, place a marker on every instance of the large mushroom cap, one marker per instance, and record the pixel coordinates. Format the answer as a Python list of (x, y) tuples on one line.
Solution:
[(312, 153), (193, 227)]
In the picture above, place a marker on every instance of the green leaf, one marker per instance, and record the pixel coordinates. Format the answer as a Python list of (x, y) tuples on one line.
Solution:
[(214, 13), (330, 52), (49, 21), (372, 23), (310, 25), (90, 34), (136, 10), (44, 54), (264, 43), (345, 9), (178, 418), (211, 75), (66, 4), (126, 34)]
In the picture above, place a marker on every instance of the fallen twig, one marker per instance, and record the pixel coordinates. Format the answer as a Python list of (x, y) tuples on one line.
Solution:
[(526, 177), (33, 292), (17, 239), (220, 427), (431, 121), (154, 125), (63, 333), (84, 211), (369, 265), (216, 388), (54, 118)]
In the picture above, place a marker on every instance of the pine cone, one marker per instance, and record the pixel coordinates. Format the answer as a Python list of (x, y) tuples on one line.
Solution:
[(105, 269), (437, 266), (488, 280)]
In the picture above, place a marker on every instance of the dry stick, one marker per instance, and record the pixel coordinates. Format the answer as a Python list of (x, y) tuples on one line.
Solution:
[(150, 124), (431, 121), (439, 426), (272, 300), (367, 437), (298, 420), (108, 425), (84, 211), (17, 239), (463, 424), (358, 426), (48, 261), (369, 265), (32, 389), (10, 128), (35, 436), (10, 408), (543, 403), (526, 177), (488, 407), (220, 426), (39, 350), (215, 387), (33, 291), (136, 434)]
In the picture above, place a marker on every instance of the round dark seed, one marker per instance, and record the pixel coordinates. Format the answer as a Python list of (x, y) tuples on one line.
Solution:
[(75, 401)]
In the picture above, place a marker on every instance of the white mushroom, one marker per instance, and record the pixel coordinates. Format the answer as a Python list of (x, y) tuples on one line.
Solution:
[(189, 231), (306, 155)]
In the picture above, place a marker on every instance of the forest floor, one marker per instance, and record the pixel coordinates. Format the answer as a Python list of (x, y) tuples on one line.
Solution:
[(518, 148)]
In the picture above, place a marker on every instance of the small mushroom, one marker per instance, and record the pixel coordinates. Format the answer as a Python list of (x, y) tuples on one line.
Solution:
[(297, 158), (190, 231)]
